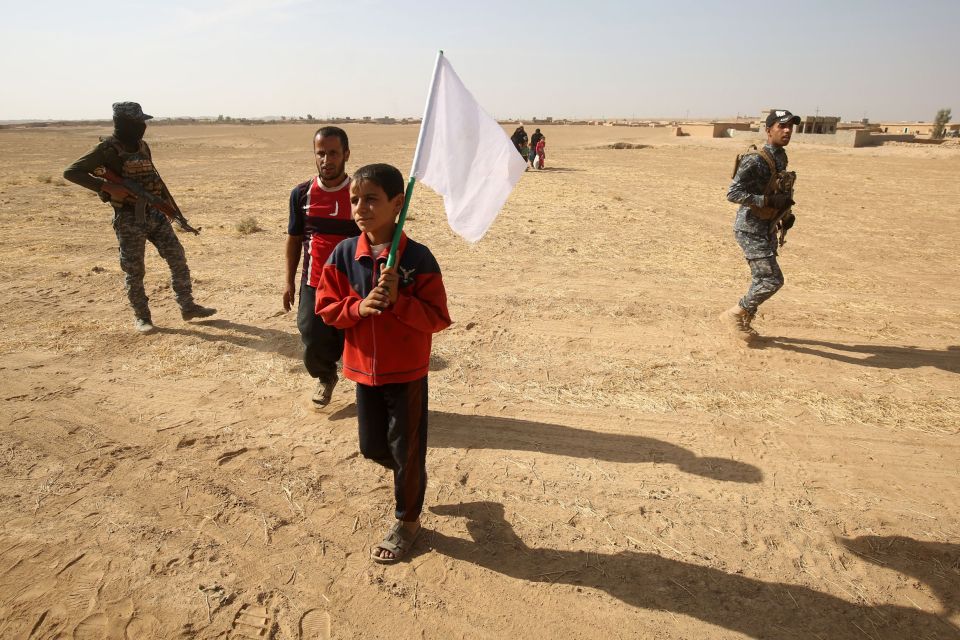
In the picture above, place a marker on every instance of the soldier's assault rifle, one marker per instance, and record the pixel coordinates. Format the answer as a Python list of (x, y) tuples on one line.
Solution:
[(146, 199), (784, 219), (782, 223)]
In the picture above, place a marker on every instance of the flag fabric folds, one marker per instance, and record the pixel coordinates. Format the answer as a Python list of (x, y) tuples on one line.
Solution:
[(465, 156)]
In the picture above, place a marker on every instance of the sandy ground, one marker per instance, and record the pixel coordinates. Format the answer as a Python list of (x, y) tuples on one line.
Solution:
[(605, 462)]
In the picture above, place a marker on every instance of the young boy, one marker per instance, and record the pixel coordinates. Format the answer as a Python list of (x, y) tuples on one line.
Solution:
[(388, 316)]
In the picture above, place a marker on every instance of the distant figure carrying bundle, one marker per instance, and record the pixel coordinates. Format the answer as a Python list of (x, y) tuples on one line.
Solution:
[(763, 188), (539, 153), (120, 169), (388, 315)]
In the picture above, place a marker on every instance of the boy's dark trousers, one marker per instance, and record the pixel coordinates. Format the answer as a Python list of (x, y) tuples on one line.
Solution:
[(322, 344), (392, 421)]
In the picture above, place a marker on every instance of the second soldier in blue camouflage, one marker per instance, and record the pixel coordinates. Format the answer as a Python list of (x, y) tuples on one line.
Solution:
[(754, 188)]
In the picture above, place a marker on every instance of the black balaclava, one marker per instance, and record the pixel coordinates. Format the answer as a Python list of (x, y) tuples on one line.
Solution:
[(129, 132)]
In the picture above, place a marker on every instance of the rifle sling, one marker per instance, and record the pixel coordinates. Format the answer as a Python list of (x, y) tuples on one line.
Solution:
[(772, 183)]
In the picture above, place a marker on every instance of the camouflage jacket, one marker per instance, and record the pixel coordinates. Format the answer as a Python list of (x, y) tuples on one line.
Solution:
[(748, 186), (106, 155)]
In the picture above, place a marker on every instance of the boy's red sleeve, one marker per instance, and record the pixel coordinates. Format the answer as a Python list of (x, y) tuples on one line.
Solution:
[(424, 308), (337, 303)]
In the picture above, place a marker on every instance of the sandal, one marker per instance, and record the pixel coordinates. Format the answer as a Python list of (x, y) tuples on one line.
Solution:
[(397, 541)]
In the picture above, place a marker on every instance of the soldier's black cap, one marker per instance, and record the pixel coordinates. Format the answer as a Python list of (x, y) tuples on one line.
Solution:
[(782, 116), (129, 110)]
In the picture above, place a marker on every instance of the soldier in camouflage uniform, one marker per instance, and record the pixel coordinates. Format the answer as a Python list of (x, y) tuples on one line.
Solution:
[(126, 154), (756, 223)]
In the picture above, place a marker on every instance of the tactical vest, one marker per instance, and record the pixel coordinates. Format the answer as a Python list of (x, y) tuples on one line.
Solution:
[(780, 181), (137, 166)]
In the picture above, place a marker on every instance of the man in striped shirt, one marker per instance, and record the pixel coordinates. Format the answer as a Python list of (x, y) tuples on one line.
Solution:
[(319, 219)]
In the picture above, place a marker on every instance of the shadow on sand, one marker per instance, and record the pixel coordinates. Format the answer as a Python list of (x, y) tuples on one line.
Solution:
[(870, 355), (481, 432), (259, 339), (936, 564), (549, 169), (744, 605)]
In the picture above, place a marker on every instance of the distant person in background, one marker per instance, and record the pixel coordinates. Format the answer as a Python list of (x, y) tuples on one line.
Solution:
[(319, 219), (126, 154), (527, 153), (540, 153), (764, 204), (519, 139), (534, 139)]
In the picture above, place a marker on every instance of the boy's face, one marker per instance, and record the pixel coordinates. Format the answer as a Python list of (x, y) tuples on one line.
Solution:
[(373, 211), (331, 158)]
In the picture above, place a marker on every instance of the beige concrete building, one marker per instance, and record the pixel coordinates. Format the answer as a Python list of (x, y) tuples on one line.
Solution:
[(817, 124), (808, 124), (710, 129), (916, 128)]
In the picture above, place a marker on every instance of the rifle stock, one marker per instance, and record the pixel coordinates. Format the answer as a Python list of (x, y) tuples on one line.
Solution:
[(173, 213)]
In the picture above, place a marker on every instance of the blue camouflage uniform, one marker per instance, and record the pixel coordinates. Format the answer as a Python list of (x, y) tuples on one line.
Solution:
[(753, 234)]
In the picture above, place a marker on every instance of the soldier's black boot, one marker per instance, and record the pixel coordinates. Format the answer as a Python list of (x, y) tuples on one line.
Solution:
[(193, 310)]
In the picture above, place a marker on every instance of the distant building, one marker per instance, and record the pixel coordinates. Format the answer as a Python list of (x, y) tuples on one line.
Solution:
[(916, 128), (808, 124), (817, 124), (710, 129)]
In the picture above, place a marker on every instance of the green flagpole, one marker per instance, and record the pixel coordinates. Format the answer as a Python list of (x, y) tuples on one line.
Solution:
[(408, 195), (392, 256)]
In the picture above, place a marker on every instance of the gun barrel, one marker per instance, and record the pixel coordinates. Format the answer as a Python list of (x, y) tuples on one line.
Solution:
[(154, 201)]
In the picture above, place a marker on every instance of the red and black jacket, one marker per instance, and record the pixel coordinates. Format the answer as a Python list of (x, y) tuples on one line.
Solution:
[(394, 346)]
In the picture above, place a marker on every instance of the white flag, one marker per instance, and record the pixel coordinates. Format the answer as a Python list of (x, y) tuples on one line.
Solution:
[(465, 156)]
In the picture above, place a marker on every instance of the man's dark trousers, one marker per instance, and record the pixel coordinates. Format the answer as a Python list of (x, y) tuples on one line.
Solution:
[(322, 344)]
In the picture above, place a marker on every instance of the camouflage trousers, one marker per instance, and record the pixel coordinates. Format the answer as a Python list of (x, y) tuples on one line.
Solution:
[(766, 276), (132, 236)]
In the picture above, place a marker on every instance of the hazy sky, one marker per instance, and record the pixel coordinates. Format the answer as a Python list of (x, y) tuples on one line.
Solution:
[(578, 58)]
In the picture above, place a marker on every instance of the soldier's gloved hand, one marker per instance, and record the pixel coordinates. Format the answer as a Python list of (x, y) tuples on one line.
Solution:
[(788, 221), (779, 201)]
